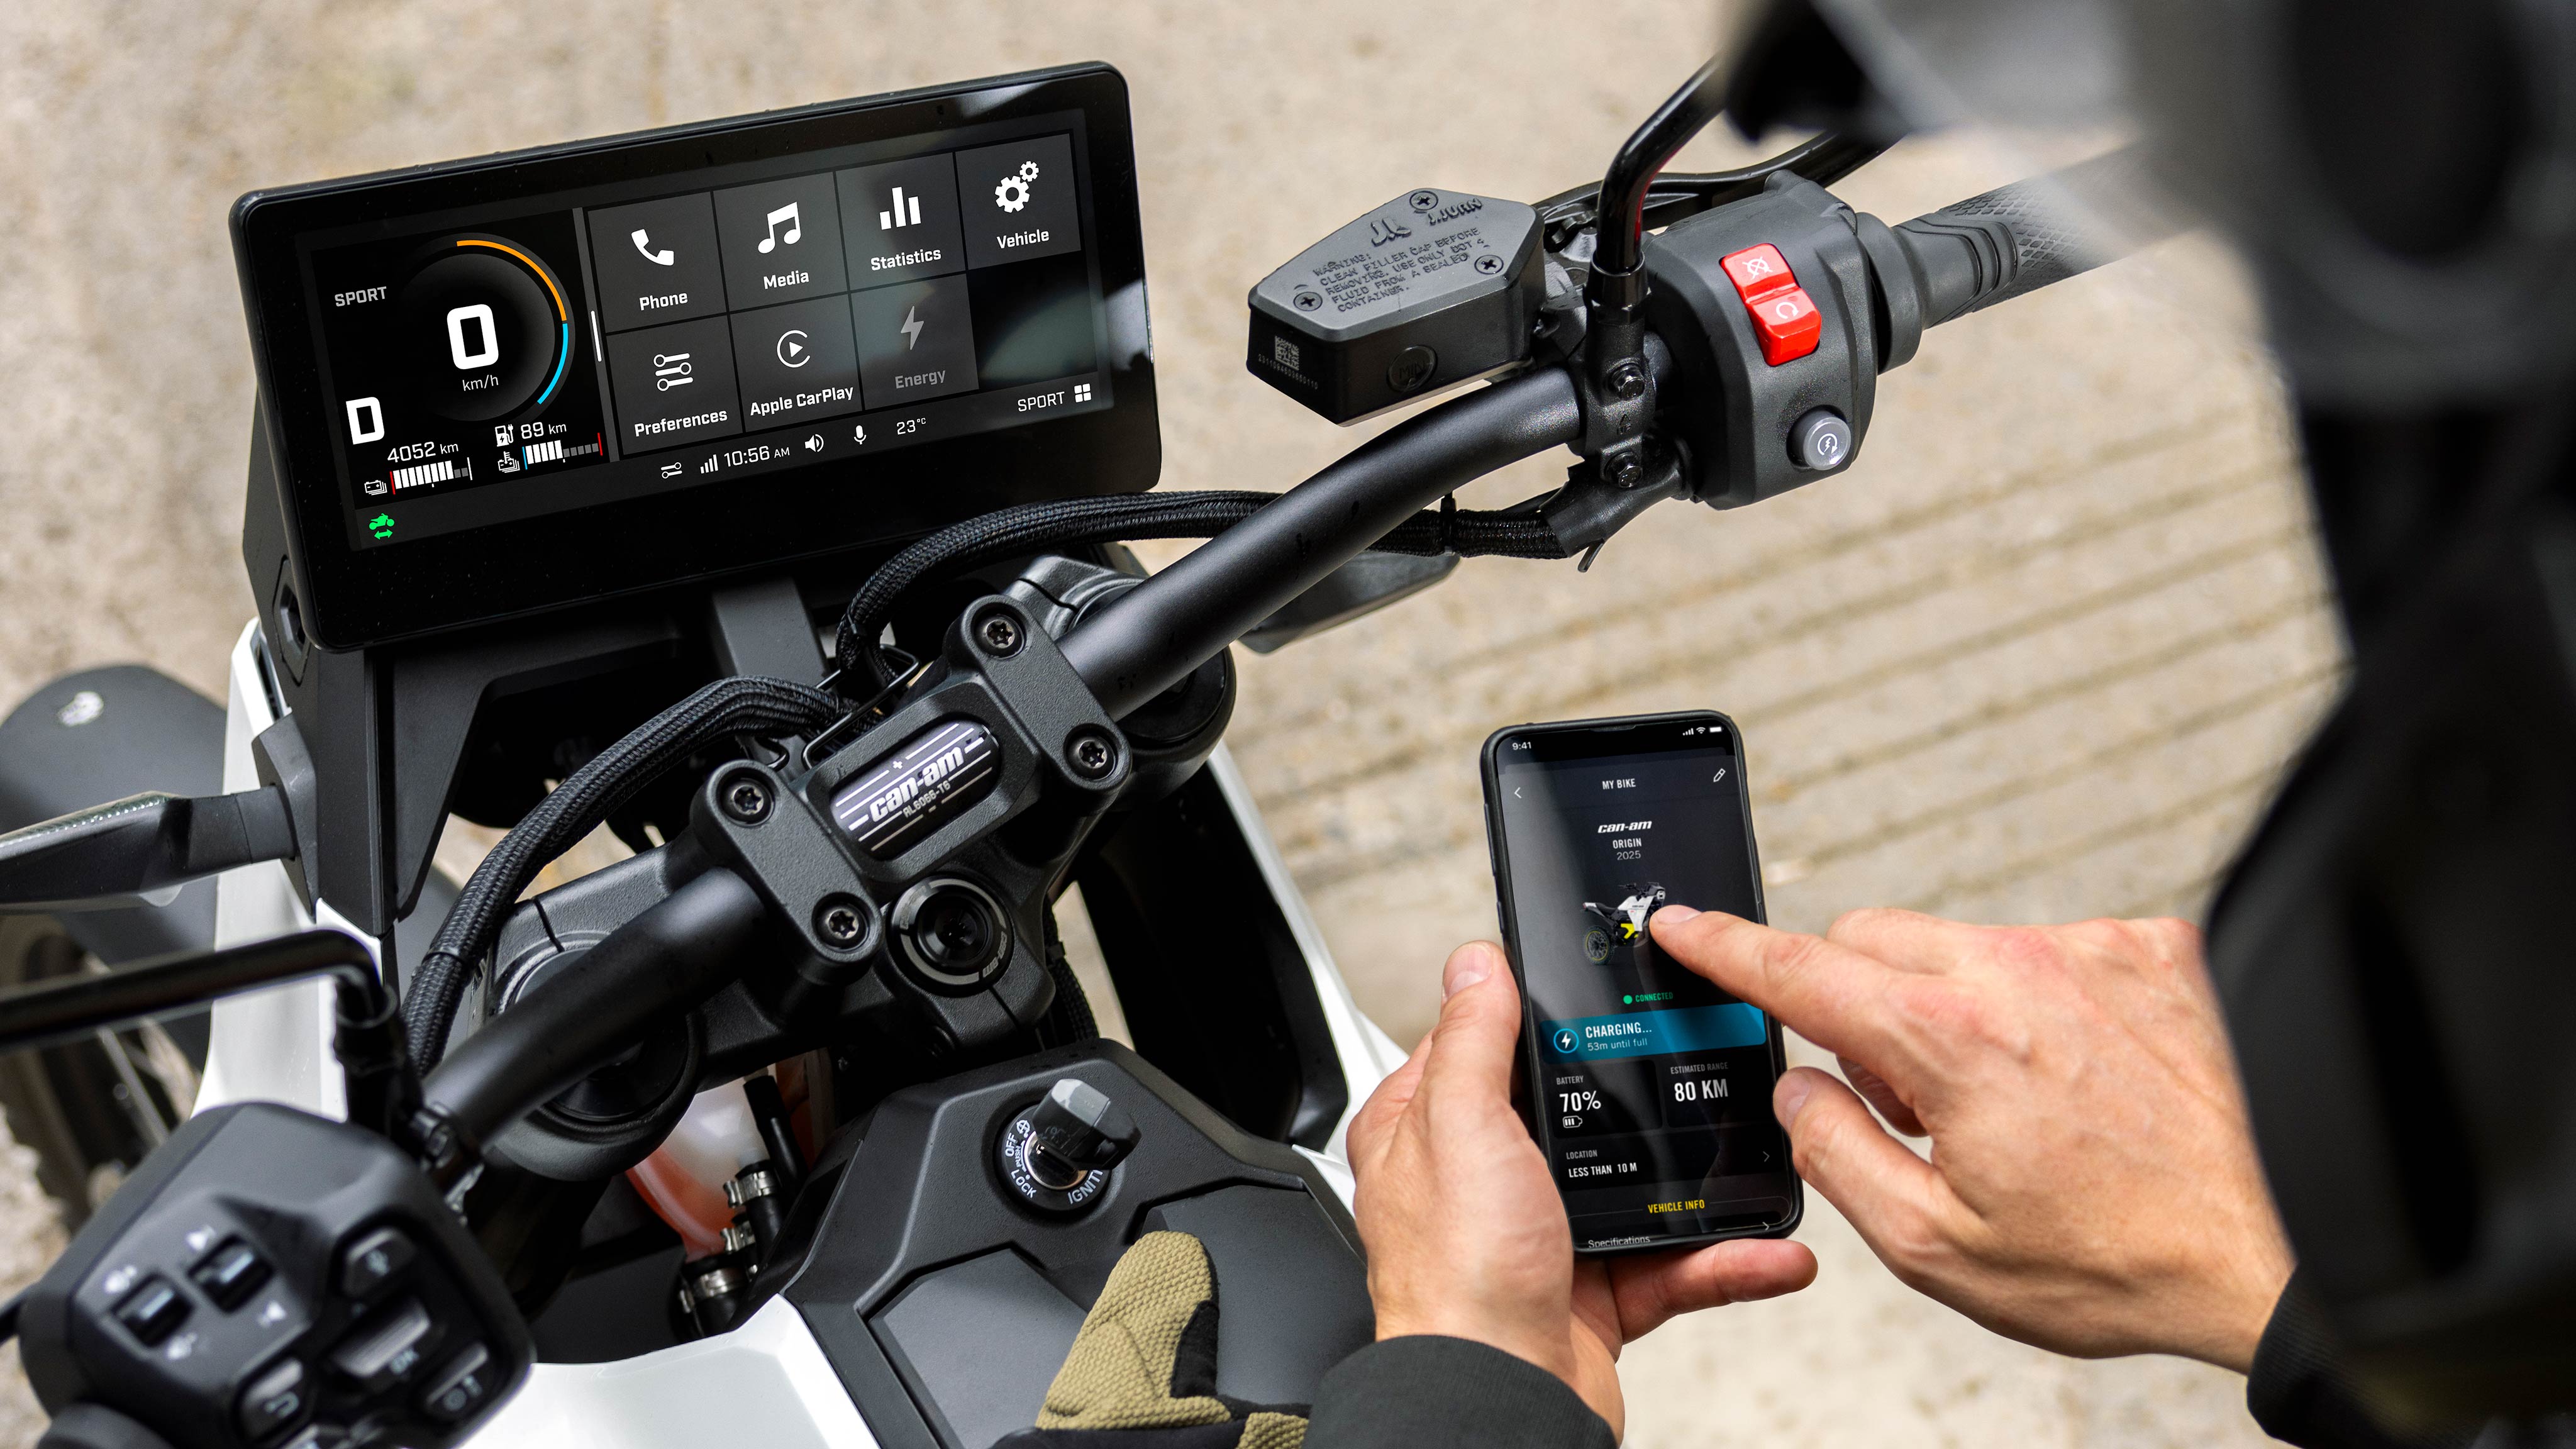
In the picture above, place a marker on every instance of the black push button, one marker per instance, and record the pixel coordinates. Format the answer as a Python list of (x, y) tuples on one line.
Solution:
[(462, 1387), (374, 1260), (154, 1310), (274, 1400), (231, 1273), (387, 1350)]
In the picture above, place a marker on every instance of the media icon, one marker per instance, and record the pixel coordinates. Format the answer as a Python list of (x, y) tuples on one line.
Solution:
[(792, 351), (906, 211), (795, 228)]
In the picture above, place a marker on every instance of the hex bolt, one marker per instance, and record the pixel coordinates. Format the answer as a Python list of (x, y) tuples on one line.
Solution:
[(1624, 471), (999, 633), (1628, 380), (745, 798), (840, 922), (1091, 753)]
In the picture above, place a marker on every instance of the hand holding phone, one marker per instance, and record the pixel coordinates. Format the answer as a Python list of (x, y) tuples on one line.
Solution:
[(1647, 1087), (1466, 1238)]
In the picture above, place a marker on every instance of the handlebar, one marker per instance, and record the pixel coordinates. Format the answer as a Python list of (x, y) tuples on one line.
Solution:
[(1151, 637), (670, 958)]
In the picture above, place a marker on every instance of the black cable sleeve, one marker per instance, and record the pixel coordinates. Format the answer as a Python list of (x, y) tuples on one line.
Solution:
[(742, 704)]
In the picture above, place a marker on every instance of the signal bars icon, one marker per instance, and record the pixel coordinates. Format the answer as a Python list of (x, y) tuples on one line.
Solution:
[(710, 465)]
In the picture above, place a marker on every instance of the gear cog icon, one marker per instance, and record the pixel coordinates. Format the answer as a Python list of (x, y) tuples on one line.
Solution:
[(1013, 191)]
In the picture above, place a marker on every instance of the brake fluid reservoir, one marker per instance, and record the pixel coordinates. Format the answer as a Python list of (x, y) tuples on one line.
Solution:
[(684, 1180)]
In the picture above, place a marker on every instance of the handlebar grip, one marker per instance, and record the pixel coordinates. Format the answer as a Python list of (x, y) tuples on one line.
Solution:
[(2015, 239)]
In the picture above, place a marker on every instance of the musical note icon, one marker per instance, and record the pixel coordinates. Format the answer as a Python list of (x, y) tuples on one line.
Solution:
[(795, 228)]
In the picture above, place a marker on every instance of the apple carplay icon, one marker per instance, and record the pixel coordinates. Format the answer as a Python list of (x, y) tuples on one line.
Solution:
[(798, 362)]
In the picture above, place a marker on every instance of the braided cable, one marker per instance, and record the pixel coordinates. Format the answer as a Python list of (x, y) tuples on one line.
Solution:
[(738, 705)]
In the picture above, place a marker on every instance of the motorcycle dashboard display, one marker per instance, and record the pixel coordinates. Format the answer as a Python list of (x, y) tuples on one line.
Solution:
[(507, 384)]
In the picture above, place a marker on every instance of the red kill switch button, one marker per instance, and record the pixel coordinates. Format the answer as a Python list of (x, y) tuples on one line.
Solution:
[(1783, 314), (1758, 271)]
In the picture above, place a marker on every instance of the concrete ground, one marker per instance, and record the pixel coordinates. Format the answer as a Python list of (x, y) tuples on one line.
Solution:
[(2038, 656)]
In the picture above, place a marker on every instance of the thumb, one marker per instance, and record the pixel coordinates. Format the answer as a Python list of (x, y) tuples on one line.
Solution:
[(1889, 1194), (1479, 1026)]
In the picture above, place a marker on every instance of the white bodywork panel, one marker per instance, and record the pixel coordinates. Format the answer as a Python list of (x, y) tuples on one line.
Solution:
[(274, 1045), (766, 1383)]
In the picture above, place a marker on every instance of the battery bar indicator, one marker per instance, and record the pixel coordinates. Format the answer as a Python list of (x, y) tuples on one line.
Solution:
[(422, 474), (544, 452)]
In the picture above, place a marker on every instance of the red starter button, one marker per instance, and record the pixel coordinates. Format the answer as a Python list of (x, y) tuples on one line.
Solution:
[(1783, 314)]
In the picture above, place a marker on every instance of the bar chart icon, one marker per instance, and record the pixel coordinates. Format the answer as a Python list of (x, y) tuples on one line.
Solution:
[(906, 212)]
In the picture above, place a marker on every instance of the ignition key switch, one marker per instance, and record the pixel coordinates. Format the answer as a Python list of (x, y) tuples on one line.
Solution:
[(1057, 1154)]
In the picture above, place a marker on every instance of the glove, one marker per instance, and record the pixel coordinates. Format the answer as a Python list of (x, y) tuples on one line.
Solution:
[(1142, 1373)]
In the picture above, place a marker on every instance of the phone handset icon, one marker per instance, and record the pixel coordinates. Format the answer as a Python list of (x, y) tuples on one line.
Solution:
[(644, 243)]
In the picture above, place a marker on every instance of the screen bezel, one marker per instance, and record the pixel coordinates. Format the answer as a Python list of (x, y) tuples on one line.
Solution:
[(1602, 739), (349, 599)]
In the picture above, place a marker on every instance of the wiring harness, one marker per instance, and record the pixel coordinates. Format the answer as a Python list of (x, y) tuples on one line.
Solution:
[(741, 705)]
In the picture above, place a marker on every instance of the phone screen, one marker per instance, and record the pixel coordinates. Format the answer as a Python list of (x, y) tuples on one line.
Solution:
[(1649, 1089)]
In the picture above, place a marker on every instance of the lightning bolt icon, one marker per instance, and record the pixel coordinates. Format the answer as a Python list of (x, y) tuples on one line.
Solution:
[(911, 330)]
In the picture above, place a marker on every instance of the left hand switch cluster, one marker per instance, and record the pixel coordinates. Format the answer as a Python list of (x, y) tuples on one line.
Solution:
[(272, 1279)]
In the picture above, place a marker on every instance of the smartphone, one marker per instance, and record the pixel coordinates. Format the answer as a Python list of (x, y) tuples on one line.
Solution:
[(1647, 1087)]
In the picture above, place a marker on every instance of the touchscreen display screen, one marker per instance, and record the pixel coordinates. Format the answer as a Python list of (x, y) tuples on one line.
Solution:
[(493, 363), (1651, 1087)]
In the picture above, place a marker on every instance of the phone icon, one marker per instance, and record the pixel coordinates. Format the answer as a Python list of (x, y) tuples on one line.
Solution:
[(644, 243)]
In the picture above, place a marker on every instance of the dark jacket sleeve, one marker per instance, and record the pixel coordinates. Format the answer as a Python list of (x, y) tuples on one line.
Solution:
[(2298, 1391), (1449, 1393)]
